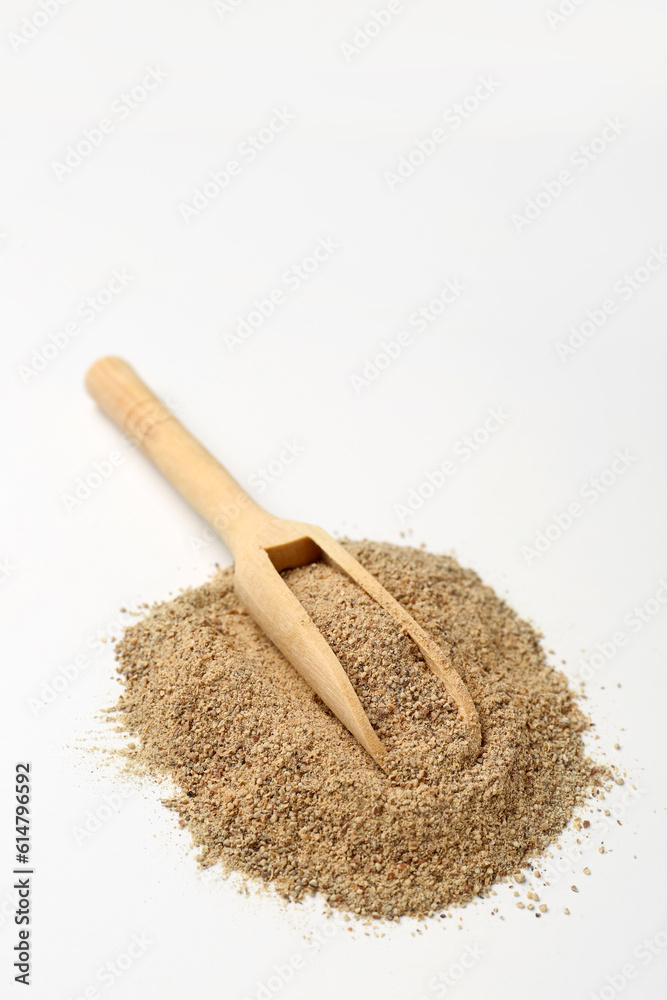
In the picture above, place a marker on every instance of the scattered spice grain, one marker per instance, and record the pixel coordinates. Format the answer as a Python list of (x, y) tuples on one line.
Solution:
[(274, 787)]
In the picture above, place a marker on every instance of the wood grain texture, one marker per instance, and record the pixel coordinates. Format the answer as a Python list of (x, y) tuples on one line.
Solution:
[(263, 545)]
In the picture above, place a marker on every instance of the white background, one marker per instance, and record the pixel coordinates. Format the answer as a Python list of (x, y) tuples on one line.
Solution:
[(68, 568)]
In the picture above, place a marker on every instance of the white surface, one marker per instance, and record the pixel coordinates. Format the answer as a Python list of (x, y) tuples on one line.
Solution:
[(131, 540)]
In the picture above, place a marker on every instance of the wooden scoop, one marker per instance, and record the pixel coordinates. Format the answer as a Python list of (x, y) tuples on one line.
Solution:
[(262, 546)]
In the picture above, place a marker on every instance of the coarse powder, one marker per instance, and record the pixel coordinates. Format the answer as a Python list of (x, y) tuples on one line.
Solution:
[(273, 786)]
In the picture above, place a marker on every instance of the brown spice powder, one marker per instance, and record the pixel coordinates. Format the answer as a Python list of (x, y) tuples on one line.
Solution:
[(272, 785)]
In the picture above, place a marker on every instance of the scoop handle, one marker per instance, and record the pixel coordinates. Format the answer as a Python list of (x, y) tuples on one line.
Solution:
[(189, 467)]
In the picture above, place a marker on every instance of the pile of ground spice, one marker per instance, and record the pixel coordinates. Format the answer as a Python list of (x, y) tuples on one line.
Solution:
[(272, 785)]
